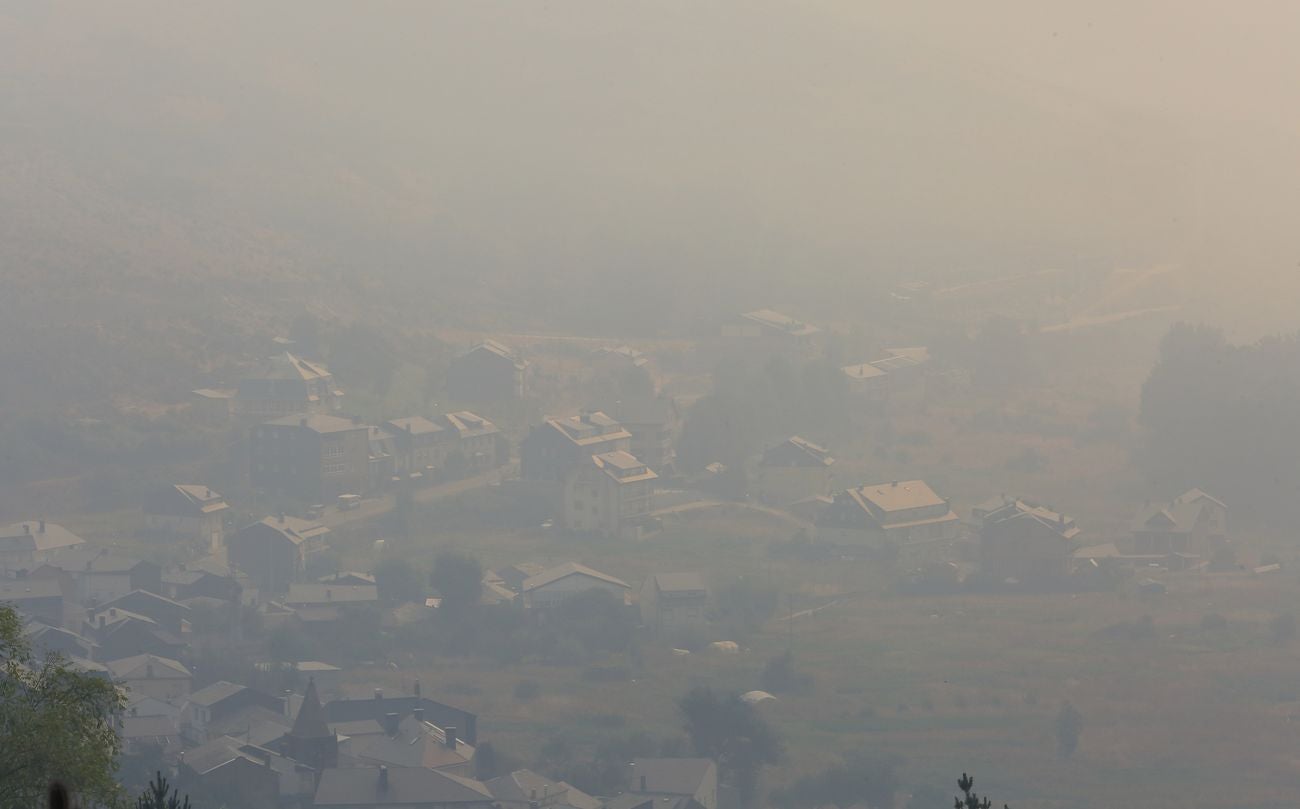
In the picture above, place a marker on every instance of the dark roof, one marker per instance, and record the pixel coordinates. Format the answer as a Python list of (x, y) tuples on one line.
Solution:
[(359, 786), (37, 535), (87, 558), (310, 722), (28, 588), (317, 423)]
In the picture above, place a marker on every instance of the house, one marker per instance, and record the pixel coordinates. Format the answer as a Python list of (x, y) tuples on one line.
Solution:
[(610, 495), (514, 576), (26, 545), (381, 458), (1025, 541), (284, 385), (489, 372), (555, 584), (673, 602), (216, 702), (195, 514), (421, 445), (625, 370), (122, 633), (474, 444), (899, 371), (347, 577), (151, 675), (37, 597), (654, 423), (184, 583), (329, 594), (525, 789), (46, 640), (273, 552), (408, 787), (149, 736), (793, 470), (213, 405), (238, 773), (865, 380), (101, 575), (694, 778), (410, 741), (555, 447), (904, 517), (379, 707), (774, 328), (170, 615), (1194, 523), (314, 458)]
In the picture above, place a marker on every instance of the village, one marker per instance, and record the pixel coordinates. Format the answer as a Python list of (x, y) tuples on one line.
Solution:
[(569, 513)]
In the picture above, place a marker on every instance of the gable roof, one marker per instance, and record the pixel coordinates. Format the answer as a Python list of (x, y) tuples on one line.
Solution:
[(212, 694), (524, 786), (1180, 515), (797, 451), (687, 582), (185, 500), (554, 574), (359, 786), (29, 588), (37, 535), (498, 350), (138, 667), (1002, 509), (289, 366), (673, 776), (91, 559), (329, 593), (778, 322), (293, 529)]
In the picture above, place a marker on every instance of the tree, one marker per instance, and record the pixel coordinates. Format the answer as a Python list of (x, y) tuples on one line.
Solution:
[(781, 677), (968, 799), (159, 796), (398, 581), (730, 731), (55, 723), (1069, 724), (458, 578), (859, 779)]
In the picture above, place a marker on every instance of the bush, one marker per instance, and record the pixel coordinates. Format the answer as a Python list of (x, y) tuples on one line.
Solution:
[(526, 690)]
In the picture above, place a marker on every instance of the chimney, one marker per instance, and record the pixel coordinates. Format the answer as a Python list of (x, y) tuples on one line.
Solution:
[(449, 734), (101, 620), (379, 693), (383, 778), (391, 721), (27, 528), (643, 789), (417, 689), (42, 526)]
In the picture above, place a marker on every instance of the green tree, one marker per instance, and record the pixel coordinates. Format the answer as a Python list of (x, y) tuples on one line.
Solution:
[(730, 731), (969, 799), (860, 779), (55, 723), (1069, 725), (159, 796), (781, 677), (458, 578), (398, 581)]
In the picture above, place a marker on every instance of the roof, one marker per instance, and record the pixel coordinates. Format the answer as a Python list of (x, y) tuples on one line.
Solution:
[(680, 582), (29, 588), (413, 425), (417, 743), (143, 600), (294, 529), (755, 697), (37, 535), (674, 776), (347, 577), (215, 393), (136, 667), (91, 559), (917, 354), (865, 370), (797, 451), (588, 428), (900, 495), (1179, 516), (524, 786), (1000, 509), (329, 593), (214, 754), (321, 423), (779, 322), (143, 727), (310, 721), (212, 694), (623, 467), (289, 366), (554, 574), (359, 786), (493, 347), (468, 424), (185, 500)]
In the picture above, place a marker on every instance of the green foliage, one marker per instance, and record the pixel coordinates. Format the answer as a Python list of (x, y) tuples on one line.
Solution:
[(55, 723), (399, 582), (1069, 725), (730, 731), (859, 779), (969, 799), (458, 578), (781, 677), (160, 795)]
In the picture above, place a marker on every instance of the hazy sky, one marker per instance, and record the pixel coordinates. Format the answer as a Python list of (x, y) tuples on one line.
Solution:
[(826, 138)]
